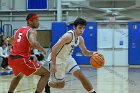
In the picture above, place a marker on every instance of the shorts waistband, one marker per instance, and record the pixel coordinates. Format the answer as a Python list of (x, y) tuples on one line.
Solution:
[(15, 56)]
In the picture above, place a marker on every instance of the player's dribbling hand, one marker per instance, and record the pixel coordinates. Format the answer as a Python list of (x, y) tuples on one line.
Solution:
[(53, 69), (95, 53)]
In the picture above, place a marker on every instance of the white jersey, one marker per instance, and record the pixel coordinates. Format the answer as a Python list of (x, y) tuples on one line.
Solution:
[(67, 49)]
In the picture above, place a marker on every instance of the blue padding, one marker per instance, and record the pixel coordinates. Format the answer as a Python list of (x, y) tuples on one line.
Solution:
[(1, 30), (58, 29), (90, 37), (37, 4), (70, 27), (6, 73), (134, 43)]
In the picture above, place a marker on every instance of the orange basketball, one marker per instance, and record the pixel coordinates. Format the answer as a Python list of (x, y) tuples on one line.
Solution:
[(97, 60)]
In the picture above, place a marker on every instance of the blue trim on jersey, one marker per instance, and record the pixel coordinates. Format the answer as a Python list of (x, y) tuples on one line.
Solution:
[(71, 39), (72, 68), (58, 78)]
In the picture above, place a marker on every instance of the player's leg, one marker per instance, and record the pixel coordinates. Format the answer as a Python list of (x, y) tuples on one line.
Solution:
[(75, 69), (56, 83), (15, 82), (44, 73), (16, 67), (85, 82), (47, 87), (29, 67), (58, 79)]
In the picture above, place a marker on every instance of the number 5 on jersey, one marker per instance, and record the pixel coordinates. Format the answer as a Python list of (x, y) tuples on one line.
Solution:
[(19, 37)]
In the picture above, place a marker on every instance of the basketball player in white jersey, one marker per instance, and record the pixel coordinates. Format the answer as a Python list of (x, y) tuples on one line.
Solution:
[(62, 61)]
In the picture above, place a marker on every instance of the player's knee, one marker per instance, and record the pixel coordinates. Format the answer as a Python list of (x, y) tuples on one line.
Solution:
[(46, 74), (78, 73), (57, 84), (20, 76)]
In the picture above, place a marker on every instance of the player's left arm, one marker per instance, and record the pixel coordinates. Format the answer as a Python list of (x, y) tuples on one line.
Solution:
[(83, 48)]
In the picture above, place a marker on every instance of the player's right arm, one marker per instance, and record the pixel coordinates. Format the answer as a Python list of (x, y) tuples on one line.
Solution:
[(32, 35), (66, 38)]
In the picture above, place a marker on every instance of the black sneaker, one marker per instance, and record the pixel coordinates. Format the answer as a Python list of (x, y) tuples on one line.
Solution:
[(47, 88)]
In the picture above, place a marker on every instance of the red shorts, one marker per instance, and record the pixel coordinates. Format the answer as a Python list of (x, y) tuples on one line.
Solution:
[(23, 65)]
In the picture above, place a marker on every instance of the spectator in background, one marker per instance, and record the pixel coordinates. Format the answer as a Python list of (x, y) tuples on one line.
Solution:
[(37, 56), (1, 39), (4, 53)]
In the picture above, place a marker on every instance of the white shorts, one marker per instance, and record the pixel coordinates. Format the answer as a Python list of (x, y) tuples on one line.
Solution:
[(64, 66)]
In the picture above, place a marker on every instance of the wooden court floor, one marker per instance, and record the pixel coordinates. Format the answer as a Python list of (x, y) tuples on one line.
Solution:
[(104, 80)]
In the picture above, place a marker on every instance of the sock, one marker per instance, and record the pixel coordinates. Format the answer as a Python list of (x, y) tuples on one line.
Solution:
[(47, 88), (10, 92), (92, 91), (36, 92)]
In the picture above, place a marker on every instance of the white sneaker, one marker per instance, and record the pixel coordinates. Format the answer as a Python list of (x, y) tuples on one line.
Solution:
[(41, 62), (8, 68)]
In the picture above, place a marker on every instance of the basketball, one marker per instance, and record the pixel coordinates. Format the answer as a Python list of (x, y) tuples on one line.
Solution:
[(97, 60)]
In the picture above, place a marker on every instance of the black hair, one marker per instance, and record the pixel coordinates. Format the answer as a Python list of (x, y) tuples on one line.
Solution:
[(30, 15), (80, 21)]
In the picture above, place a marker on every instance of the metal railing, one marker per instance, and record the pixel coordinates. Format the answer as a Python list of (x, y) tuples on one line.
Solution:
[(7, 30)]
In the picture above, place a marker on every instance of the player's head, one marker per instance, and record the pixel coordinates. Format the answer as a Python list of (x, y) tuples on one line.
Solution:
[(32, 20), (79, 26)]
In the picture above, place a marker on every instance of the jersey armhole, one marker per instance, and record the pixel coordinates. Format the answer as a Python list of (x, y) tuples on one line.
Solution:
[(27, 35), (71, 39)]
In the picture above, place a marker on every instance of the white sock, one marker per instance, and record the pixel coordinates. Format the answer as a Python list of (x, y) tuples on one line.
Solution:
[(91, 91)]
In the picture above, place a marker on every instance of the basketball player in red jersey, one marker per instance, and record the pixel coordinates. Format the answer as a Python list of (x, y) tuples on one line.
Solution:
[(23, 41)]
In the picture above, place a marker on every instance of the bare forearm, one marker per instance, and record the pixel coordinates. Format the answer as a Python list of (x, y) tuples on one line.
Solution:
[(88, 53), (38, 46), (54, 53)]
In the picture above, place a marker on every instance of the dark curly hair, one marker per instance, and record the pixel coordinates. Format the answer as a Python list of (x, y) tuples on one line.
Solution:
[(80, 21)]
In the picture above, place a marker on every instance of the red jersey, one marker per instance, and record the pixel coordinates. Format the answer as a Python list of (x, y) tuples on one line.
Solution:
[(21, 44)]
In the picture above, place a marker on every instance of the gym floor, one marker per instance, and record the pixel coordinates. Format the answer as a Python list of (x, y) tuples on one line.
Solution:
[(104, 80)]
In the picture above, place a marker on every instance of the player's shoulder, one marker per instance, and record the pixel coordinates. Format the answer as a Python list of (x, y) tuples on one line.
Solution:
[(70, 33), (67, 35), (32, 31), (23, 28), (81, 38)]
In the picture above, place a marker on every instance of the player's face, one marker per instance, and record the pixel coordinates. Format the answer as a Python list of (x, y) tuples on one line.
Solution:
[(79, 30), (35, 23)]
